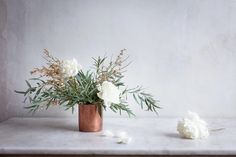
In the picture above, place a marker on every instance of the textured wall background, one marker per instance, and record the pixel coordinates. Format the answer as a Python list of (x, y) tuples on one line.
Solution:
[(184, 51)]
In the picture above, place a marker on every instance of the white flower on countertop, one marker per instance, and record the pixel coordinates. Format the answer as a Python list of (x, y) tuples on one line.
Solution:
[(109, 93), (193, 127), (70, 68)]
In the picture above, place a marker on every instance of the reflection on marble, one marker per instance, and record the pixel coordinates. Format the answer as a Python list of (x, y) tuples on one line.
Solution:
[(150, 136)]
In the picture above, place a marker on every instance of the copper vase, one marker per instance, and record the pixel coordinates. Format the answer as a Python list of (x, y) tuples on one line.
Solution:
[(90, 118)]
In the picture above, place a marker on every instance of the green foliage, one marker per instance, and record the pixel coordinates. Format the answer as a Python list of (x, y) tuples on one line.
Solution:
[(87, 89), (140, 96), (121, 107), (79, 90), (82, 89), (144, 99), (36, 95)]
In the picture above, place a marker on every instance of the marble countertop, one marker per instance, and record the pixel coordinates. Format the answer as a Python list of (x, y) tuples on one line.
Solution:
[(149, 137)]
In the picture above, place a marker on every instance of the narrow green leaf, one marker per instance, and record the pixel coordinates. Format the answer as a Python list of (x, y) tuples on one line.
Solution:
[(27, 82), (19, 92)]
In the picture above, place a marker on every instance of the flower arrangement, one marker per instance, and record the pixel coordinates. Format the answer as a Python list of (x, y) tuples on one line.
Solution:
[(63, 82)]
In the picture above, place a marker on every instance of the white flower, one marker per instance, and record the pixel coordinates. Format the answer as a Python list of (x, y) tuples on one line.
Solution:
[(70, 68), (109, 93), (193, 127)]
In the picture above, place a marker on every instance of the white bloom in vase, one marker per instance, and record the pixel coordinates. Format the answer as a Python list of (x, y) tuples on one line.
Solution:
[(109, 93), (193, 127), (70, 68)]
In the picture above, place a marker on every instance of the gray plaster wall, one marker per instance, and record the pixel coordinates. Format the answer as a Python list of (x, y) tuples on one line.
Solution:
[(183, 51), (3, 68)]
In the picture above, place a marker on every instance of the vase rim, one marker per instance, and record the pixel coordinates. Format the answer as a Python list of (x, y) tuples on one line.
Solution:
[(87, 104)]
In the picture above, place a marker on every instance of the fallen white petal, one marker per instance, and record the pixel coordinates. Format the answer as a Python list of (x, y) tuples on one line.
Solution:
[(124, 140), (107, 133), (120, 134)]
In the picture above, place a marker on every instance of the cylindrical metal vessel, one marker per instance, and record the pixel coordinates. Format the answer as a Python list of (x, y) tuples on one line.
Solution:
[(90, 118)]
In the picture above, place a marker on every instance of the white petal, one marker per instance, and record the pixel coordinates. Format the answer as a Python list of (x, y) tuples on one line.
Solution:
[(99, 87), (107, 133), (120, 134), (99, 95), (124, 140)]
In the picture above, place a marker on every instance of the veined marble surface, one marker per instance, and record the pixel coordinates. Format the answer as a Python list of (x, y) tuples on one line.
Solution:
[(150, 136)]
